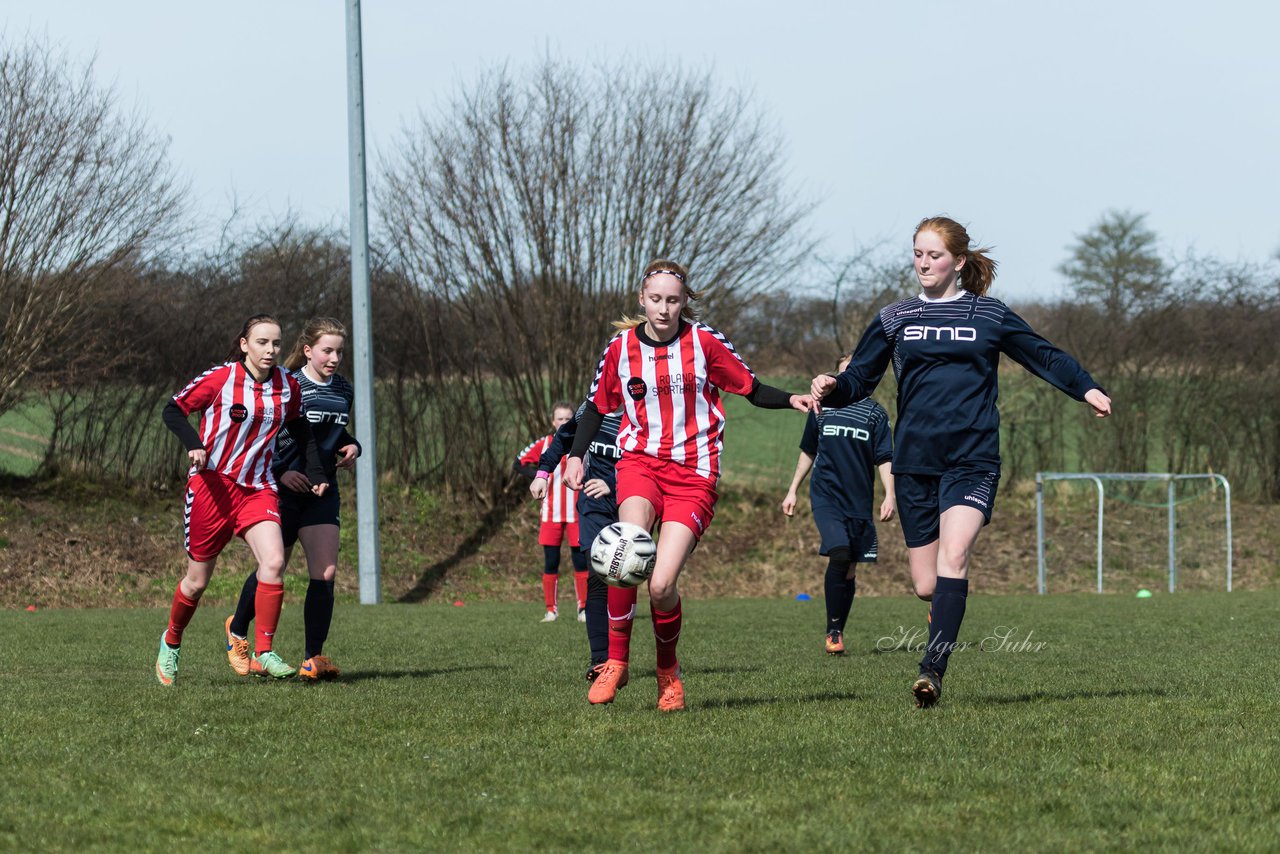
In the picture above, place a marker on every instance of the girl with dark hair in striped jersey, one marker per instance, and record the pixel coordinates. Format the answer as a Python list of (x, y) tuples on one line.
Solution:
[(945, 346), (231, 489), (666, 370), (312, 520)]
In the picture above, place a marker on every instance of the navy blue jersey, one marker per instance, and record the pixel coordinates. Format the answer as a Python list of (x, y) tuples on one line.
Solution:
[(602, 455), (328, 407), (847, 443), (946, 354)]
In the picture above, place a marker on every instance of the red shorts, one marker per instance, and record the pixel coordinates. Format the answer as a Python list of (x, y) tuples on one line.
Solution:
[(553, 533), (218, 507), (677, 492)]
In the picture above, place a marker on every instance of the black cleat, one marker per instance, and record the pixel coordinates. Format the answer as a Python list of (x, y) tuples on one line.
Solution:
[(927, 689)]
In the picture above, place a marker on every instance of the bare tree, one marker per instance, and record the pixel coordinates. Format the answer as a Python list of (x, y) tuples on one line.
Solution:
[(530, 208), (84, 189)]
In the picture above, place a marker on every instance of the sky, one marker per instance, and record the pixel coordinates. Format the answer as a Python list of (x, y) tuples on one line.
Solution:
[(1025, 120)]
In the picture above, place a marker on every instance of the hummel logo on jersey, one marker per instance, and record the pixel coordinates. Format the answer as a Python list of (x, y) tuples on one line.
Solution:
[(654, 357), (939, 333), (847, 432), (271, 512)]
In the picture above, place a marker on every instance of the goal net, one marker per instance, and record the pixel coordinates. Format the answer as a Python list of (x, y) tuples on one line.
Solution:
[(1132, 512)]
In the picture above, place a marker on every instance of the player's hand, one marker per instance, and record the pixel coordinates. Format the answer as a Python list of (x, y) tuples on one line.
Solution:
[(573, 473), (803, 402), (789, 504), (596, 488), (320, 489), (295, 481), (822, 385), (887, 508), (538, 488), (199, 457), (347, 456), (1100, 402)]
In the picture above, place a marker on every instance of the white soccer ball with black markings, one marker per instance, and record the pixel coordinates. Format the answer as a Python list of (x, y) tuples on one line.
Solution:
[(623, 555)]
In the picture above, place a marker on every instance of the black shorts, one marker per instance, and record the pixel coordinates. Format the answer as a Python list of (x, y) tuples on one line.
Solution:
[(857, 535), (594, 515), (300, 510), (922, 498)]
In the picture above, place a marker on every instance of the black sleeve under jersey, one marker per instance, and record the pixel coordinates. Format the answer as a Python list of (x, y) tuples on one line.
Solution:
[(346, 438), (560, 443), (768, 397), (866, 368), (589, 421), (176, 421), (300, 429)]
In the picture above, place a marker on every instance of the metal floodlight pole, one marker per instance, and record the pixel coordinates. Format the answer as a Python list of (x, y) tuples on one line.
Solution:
[(362, 323)]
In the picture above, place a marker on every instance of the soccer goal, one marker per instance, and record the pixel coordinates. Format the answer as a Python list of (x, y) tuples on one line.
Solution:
[(1098, 479)]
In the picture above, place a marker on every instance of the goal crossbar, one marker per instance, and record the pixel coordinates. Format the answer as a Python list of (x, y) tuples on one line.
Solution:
[(1098, 478)]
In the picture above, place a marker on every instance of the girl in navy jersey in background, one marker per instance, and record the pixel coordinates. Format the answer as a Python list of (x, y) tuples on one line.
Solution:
[(230, 488), (305, 517), (597, 508), (844, 447), (666, 370), (945, 346)]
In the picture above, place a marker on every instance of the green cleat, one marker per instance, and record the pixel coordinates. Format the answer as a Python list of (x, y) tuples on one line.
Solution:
[(167, 662), (270, 664)]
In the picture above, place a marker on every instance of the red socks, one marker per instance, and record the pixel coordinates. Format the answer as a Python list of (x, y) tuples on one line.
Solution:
[(622, 612), (180, 613), (550, 590), (580, 587), (666, 631), (267, 602)]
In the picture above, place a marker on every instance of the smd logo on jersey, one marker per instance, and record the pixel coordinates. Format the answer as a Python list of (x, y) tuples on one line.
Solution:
[(846, 432), (636, 388), (939, 333)]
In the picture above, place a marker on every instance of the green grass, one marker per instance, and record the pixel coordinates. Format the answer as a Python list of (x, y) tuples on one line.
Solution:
[(1140, 723), (24, 432)]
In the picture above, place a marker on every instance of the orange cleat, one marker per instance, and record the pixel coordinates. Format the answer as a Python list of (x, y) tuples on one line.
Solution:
[(670, 690), (835, 643), (607, 682), (318, 667), (237, 651)]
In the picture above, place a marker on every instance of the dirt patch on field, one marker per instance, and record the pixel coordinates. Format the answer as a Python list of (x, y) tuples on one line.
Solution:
[(75, 545)]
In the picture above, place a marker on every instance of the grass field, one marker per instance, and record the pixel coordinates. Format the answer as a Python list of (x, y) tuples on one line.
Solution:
[(1138, 723)]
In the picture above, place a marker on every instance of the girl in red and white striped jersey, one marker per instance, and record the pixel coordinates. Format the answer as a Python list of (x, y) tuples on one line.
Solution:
[(230, 487), (666, 370), (559, 520)]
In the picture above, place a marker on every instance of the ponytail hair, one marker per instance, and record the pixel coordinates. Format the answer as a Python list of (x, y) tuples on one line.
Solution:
[(979, 269), (235, 354), (661, 265), (311, 333)]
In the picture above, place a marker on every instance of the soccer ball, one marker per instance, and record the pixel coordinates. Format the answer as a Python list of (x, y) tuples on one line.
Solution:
[(623, 555)]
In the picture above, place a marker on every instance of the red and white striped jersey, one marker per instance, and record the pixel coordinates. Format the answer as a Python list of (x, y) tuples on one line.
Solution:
[(239, 418), (671, 393), (559, 504)]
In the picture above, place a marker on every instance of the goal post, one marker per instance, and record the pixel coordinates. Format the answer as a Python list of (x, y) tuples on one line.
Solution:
[(1098, 479)]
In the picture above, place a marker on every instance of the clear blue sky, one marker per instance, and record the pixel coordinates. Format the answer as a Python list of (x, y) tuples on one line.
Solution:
[(1026, 120)]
